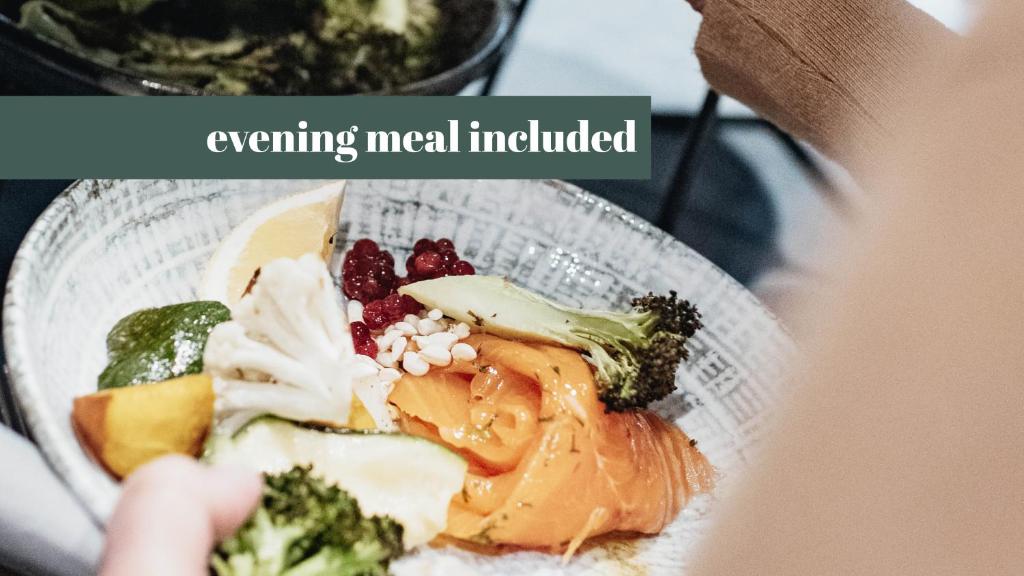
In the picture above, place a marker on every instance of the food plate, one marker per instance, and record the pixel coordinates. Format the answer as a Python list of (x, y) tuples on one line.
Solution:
[(49, 66), (106, 248)]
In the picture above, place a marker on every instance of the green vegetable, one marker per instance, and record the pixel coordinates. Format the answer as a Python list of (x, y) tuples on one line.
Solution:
[(158, 344), (416, 21), (404, 477), (307, 527), (250, 46), (635, 354)]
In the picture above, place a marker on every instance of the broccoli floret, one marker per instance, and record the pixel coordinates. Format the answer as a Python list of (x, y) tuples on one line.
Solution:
[(306, 527), (635, 371), (635, 354)]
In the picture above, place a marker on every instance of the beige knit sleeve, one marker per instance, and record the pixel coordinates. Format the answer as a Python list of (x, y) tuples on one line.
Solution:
[(823, 70), (899, 449)]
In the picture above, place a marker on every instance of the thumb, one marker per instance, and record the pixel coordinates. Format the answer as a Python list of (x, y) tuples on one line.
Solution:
[(171, 514)]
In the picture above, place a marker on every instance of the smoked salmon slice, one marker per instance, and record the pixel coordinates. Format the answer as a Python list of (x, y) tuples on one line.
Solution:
[(549, 467)]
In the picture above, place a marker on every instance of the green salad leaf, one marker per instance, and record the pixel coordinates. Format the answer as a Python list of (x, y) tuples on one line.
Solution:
[(158, 344)]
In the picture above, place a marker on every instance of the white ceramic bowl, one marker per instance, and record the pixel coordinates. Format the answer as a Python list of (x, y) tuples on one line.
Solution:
[(106, 248)]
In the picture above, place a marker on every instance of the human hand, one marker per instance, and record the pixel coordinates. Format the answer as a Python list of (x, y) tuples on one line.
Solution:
[(172, 512)]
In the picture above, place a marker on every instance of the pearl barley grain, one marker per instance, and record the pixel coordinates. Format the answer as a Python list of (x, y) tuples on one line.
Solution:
[(413, 364), (426, 327), (464, 352), (441, 339), (436, 355), (386, 359), (405, 328), (435, 314), (384, 342), (398, 348)]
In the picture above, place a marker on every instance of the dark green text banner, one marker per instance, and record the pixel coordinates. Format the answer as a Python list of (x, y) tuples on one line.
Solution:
[(325, 137)]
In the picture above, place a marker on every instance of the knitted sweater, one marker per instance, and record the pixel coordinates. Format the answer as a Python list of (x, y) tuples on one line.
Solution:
[(830, 72)]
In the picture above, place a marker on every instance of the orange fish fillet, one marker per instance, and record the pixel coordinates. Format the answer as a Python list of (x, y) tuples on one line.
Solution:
[(548, 467)]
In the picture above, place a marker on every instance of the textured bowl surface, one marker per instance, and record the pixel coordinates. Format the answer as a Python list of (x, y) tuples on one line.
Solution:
[(106, 248)]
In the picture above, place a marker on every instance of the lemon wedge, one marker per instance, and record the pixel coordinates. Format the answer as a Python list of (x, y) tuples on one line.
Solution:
[(288, 228)]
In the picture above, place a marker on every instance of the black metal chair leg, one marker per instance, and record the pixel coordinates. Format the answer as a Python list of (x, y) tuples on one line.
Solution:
[(682, 181)]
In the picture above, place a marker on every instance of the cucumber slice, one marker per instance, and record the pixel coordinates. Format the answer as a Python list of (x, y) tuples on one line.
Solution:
[(407, 478)]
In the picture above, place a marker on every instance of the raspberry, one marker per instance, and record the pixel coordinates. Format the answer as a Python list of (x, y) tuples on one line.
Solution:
[(448, 258), (362, 340), (368, 348), (428, 264), (368, 273), (424, 245), (359, 331), (463, 268), (394, 307), (357, 266), (410, 305), (385, 275), (365, 247), (374, 315), (371, 289)]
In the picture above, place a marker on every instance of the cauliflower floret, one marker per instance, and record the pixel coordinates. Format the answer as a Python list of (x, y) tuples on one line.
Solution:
[(288, 352)]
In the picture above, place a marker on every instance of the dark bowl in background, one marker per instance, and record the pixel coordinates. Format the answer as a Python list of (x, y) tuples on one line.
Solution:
[(476, 33)]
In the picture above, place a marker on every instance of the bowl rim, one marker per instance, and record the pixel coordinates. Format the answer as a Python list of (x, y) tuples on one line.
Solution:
[(28, 393), (56, 56)]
